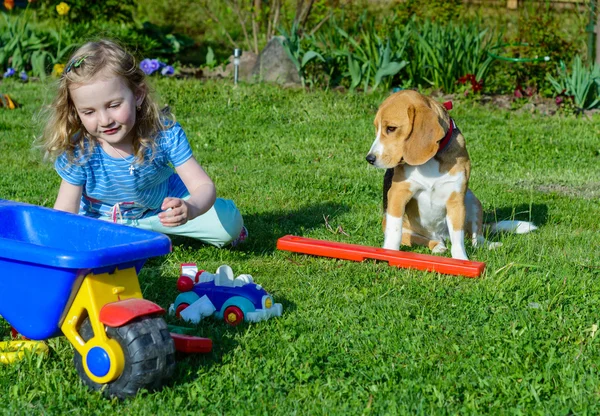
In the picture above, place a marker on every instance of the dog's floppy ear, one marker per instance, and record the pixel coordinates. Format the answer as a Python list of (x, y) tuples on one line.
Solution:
[(422, 142)]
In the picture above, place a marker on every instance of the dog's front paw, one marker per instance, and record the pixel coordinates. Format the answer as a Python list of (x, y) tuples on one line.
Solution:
[(391, 241), (391, 246), (458, 252)]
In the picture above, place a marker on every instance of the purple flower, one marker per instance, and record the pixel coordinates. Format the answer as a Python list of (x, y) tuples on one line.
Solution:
[(9, 73), (23, 76), (156, 63), (149, 66), (167, 70)]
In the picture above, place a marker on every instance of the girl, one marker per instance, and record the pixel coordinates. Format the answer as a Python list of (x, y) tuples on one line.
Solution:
[(115, 153)]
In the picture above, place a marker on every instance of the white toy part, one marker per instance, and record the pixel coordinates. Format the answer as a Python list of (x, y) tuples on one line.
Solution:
[(243, 279), (264, 314), (224, 276), (189, 269), (201, 308), (205, 277)]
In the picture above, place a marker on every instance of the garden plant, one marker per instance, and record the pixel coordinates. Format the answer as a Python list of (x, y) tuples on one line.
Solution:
[(354, 338)]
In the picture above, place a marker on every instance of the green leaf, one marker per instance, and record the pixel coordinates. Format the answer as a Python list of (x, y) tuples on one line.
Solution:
[(308, 56), (210, 57), (355, 72), (390, 69)]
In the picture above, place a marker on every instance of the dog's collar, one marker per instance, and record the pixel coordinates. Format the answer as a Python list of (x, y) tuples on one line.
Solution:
[(448, 136)]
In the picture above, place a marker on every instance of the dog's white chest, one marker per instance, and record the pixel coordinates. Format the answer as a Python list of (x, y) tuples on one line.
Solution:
[(431, 191)]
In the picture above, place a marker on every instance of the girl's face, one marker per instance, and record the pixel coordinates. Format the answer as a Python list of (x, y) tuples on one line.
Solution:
[(107, 108)]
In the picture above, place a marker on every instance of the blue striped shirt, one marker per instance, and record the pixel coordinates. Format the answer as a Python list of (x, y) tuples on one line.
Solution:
[(108, 183)]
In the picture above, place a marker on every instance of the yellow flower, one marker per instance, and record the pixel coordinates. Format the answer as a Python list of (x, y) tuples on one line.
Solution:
[(9, 4), (63, 8), (58, 69)]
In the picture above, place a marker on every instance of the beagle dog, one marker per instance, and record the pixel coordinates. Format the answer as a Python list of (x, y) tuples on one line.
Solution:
[(426, 196)]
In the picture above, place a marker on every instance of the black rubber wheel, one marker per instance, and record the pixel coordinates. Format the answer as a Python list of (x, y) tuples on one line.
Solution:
[(149, 354)]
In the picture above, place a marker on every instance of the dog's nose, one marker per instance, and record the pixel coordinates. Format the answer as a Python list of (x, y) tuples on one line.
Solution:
[(371, 158)]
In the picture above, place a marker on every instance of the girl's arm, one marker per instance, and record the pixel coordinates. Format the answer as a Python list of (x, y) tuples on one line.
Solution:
[(69, 197), (202, 195)]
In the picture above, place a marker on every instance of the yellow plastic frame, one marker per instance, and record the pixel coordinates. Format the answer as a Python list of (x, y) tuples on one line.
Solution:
[(96, 291)]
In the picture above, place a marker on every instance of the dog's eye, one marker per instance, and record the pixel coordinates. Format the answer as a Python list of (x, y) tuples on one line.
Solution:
[(390, 129)]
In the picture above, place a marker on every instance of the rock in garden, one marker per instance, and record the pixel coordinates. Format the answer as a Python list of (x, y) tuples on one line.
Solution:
[(274, 64)]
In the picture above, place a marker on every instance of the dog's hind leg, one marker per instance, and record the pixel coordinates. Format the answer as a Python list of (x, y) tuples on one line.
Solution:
[(436, 247), (474, 223), (474, 219)]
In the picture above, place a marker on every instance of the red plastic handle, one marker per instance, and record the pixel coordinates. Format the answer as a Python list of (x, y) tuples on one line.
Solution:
[(396, 258), (191, 344)]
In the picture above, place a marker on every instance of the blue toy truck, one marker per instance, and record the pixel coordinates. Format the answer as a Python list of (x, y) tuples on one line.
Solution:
[(233, 299)]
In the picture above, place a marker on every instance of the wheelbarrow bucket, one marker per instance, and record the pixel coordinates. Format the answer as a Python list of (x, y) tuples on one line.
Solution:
[(45, 254)]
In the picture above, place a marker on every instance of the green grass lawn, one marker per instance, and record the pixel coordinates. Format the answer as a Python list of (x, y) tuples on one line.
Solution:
[(355, 338)]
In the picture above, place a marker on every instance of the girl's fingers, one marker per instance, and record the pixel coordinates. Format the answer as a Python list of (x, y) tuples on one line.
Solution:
[(174, 212), (173, 217), (171, 203)]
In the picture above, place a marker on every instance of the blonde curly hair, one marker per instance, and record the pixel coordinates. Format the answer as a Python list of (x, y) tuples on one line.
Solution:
[(64, 131)]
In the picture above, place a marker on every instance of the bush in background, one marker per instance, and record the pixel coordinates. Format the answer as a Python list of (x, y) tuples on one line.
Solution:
[(369, 54), (543, 30), (80, 11), (27, 48), (577, 88), (365, 45)]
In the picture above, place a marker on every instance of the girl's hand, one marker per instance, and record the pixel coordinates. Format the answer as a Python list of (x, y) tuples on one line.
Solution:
[(178, 214)]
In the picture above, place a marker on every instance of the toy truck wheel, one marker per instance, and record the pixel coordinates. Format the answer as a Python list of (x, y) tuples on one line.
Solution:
[(149, 353), (183, 300), (180, 308), (233, 315)]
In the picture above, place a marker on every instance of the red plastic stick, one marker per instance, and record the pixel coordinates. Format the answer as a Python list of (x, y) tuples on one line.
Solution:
[(393, 257), (191, 344)]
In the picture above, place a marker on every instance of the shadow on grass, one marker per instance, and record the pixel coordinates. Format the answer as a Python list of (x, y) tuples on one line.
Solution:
[(266, 227), (224, 340), (536, 213)]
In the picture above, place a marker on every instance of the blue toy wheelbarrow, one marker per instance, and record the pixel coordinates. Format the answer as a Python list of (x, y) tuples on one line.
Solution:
[(61, 272)]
